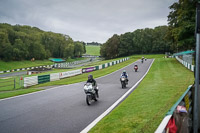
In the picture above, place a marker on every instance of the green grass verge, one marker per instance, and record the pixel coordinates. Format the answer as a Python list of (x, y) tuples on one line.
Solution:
[(145, 108), (92, 50)]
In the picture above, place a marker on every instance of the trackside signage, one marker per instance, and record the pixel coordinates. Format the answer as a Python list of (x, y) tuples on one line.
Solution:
[(89, 69), (70, 73)]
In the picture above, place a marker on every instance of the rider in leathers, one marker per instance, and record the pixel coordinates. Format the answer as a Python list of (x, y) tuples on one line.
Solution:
[(125, 74), (94, 83)]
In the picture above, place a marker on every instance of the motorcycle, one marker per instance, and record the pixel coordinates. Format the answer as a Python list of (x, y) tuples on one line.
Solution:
[(124, 81), (142, 60), (91, 94), (136, 68)]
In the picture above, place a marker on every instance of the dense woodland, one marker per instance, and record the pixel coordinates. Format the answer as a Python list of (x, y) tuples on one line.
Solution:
[(179, 35), (25, 42)]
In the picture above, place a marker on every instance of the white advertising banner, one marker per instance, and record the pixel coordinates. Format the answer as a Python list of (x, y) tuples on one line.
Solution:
[(54, 77), (29, 81), (70, 73)]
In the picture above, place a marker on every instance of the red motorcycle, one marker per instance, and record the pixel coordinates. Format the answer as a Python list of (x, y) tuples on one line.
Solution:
[(136, 68)]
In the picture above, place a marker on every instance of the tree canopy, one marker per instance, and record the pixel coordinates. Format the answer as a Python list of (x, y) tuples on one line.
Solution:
[(25, 42), (141, 41), (181, 21)]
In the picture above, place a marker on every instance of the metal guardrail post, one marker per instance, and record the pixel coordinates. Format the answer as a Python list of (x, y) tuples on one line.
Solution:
[(14, 83), (195, 111)]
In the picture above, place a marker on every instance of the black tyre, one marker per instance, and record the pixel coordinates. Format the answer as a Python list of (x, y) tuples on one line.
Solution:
[(123, 85), (95, 99), (88, 99)]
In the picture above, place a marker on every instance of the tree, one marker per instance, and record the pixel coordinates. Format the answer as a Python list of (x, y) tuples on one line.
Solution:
[(110, 50), (182, 25), (126, 46), (78, 49), (20, 51), (5, 47)]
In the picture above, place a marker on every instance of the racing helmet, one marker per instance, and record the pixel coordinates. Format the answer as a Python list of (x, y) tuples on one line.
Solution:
[(90, 76)]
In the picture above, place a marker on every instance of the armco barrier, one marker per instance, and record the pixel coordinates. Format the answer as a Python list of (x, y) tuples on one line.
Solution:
[(89, 69), (184, 100), (187, 65), (14, 70)]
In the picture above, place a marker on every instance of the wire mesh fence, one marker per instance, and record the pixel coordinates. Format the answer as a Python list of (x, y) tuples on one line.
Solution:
[(11, 83)]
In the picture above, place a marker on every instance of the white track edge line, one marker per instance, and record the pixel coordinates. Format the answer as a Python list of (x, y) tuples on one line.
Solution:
[(91, 125)]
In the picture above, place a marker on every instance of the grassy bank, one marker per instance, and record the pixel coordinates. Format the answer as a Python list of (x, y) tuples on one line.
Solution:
[(145, 108), (92, 50), (10, 65)]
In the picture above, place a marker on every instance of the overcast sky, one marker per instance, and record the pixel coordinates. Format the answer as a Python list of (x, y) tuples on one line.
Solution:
[(86, 20)]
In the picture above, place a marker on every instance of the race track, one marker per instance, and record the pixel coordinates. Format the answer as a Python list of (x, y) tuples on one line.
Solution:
[(63, 109)]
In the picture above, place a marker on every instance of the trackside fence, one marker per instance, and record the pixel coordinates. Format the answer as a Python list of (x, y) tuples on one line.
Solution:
[(186, 101), (34, 80), (186, 64), (7, 84)]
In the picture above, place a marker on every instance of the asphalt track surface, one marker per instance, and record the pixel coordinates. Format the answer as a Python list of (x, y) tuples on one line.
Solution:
[(63, 109), (13, 74)]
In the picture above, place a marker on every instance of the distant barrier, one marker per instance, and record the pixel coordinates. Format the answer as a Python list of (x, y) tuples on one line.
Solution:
[(70, 64), (29, 81), (28, 68), (57, 65), (184, 100)]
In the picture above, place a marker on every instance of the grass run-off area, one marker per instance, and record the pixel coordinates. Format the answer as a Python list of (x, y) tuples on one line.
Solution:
[(146, 106), (10, 65), (92, 50)]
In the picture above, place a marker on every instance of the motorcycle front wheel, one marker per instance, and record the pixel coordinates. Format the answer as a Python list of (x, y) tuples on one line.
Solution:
[(88, 99), (123, 84)]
